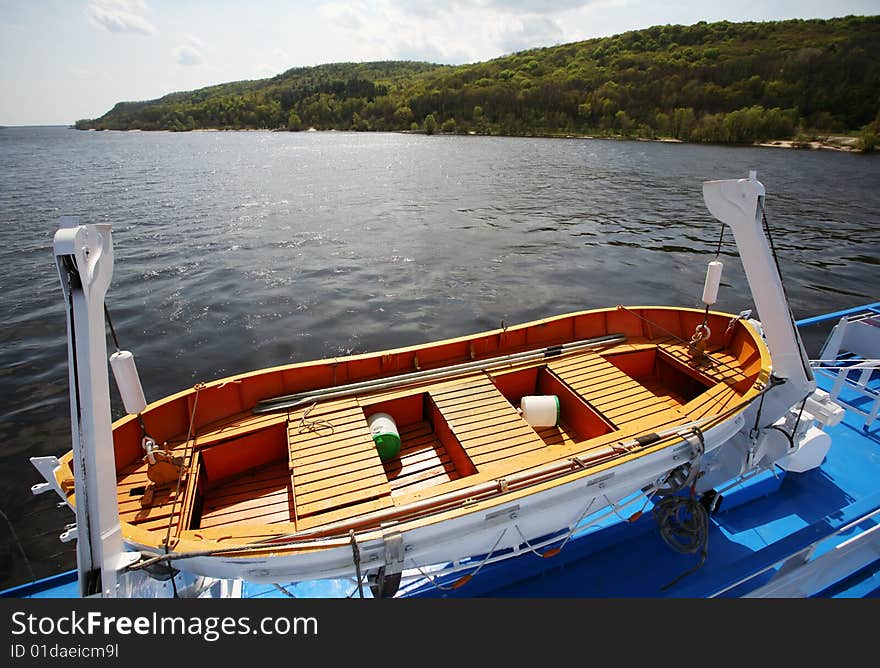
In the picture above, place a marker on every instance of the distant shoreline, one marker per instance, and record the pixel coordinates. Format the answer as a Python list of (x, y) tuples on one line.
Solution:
[(842, 144), (839, 143)]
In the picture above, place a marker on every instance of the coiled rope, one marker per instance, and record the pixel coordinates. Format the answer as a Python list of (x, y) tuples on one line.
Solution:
[(684, 526), (682, 520)]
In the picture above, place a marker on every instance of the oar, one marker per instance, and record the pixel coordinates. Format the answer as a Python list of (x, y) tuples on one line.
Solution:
[(301, 398)]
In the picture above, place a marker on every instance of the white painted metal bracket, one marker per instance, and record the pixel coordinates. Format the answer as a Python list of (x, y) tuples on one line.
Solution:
[(47, 467)]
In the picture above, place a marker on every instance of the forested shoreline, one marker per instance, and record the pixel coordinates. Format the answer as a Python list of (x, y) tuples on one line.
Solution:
[(722, 82)]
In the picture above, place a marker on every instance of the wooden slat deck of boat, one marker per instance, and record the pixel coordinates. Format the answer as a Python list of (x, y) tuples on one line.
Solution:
[(131, 484), (422, 462), (719, 366), (261, 496), (614, 394), (333, 470), (486, 425), (334, 465)]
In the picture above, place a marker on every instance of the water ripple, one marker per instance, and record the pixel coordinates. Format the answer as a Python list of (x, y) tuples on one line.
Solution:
[(236, 251)]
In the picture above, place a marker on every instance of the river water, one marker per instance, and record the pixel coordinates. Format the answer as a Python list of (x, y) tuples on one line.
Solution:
[(240, 250)]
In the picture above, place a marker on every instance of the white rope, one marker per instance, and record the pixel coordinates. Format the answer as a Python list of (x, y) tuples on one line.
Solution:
[(312, 425), (567, 535), (283, 590), (198, 387), (468, 576), (431, 580)]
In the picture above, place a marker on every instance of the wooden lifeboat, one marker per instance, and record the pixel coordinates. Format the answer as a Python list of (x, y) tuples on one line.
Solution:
[(247, 481)]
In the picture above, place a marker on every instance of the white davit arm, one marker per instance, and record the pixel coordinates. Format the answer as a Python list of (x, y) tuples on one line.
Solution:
[(84, 258), (739, 204)]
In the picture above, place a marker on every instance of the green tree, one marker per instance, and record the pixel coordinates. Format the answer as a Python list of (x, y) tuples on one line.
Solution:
[(683, 122), (585, 111), (623, 122), (869, 137), (774, 78), (403, 115), (868, 141), (359, 123), (661, 123), (430, 124)]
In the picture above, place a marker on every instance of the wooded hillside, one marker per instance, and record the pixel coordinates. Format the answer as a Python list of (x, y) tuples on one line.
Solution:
[(716, 82)]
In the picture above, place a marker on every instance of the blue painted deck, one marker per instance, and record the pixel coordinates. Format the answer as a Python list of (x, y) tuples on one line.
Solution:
[(745, 536), (758, 523), (61, 585)]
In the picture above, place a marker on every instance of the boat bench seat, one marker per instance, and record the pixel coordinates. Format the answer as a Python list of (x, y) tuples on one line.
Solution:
[(719, 366), (334, 465), (617, 396), (483, 421), (626, 400), (469, 425), (243, 424)]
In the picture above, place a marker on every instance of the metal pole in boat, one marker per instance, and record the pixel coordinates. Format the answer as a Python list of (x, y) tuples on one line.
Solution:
[(84, 259), (301, 398)]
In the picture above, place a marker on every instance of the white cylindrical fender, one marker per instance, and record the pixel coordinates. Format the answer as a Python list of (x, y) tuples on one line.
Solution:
[(810, 453), (128, 382), (540, 411), (385, 435), (713, 280)]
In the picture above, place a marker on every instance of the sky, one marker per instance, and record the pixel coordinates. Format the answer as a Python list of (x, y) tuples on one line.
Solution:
[(62, 60)]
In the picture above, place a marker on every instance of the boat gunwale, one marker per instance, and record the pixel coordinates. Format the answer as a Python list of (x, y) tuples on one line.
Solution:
[(765, 358), (187, 540), (257, 540)]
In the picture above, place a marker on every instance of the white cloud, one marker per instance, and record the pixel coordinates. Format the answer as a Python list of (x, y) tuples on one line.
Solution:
[(277, 62), (349, 16), (190, 52), (79, 72), (426, 10), (537, 6), (400, 30), (194, 41), (518, 35), (449, 31), (188, 56), (431, 10), (121, 16), (426, 52)]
